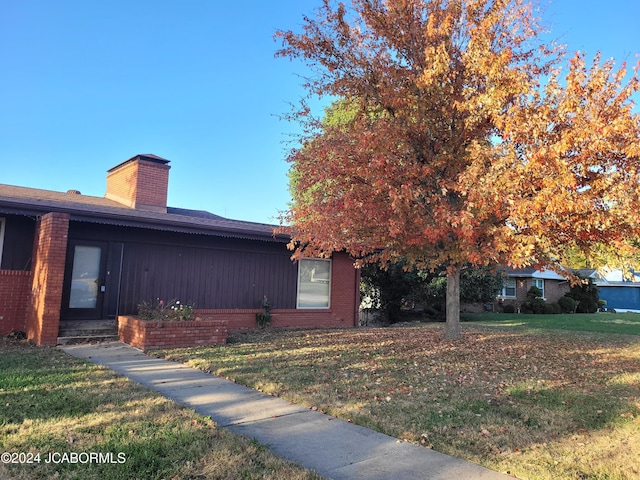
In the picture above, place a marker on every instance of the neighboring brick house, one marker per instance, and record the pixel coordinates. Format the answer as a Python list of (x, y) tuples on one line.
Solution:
[(68, 256), (517, 283)]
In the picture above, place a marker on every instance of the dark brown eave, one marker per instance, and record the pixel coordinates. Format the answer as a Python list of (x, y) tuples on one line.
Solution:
[(221, 230), (181, 223)]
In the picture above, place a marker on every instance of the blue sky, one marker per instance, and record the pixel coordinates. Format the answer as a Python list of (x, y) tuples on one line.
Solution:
[(85, 85)]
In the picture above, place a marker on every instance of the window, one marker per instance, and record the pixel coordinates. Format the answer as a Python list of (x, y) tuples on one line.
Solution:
[(314, 283), (509, 288), (2, 223), (85, 277), (538, 282)]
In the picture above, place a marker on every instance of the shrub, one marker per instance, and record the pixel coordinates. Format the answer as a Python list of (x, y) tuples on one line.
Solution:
[(586, 294), (263, 319), (567, 304), (387, 287), (395, 288), (536, 304), (159, 310), (534, 292)]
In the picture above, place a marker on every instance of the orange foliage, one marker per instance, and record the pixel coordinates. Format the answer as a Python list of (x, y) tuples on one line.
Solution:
[(462, 142)]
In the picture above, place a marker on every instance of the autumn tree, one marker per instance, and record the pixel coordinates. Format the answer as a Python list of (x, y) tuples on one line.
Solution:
[(464, 142)]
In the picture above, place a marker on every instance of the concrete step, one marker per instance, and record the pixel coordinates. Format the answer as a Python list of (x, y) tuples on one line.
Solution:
[(87, 331), (87, 339)]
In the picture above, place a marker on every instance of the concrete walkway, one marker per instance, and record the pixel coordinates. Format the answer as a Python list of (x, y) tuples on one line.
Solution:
[(334, 448)]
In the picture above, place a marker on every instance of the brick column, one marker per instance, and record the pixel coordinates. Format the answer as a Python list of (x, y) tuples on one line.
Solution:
[(345, 290), (49, 254)]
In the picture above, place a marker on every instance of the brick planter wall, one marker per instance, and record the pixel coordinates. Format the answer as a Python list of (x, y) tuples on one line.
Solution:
[(241, 319), (151, 335)]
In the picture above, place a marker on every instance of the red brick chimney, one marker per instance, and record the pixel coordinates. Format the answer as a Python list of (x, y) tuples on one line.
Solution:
[(140, 182)]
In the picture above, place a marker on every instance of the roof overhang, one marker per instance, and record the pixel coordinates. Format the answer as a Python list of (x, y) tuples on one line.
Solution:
[(146, 220)]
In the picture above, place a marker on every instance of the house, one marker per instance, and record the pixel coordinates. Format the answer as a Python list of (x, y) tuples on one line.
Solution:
[(621, 292), (517, 283), (68, 256)]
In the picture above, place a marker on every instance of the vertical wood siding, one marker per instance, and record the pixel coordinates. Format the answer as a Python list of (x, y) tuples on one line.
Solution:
[(18, 242), (212, 272), (209, 277)]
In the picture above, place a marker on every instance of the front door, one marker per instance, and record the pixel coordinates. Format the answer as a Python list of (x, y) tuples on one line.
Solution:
[(83, 295)]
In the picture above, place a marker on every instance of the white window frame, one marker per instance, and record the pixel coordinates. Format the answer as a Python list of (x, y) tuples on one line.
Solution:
[(506, 285), (3, 222), (303, 306), (538, 282)]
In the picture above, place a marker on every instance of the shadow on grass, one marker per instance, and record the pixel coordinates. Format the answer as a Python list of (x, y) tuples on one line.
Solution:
[(31, 391), (52, 402), (497, 390)]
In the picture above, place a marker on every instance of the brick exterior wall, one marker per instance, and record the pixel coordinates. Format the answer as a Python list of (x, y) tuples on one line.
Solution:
[(150, 335), (15, 287), (522, 287), (139, 184), (553, 291), (43, 307)]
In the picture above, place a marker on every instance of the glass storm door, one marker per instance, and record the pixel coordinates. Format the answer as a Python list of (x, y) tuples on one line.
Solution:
[(85, 281)]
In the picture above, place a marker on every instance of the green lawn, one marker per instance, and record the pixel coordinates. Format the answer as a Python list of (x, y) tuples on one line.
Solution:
[(513, 395), (88, 422), (617, 323), (521, 394)]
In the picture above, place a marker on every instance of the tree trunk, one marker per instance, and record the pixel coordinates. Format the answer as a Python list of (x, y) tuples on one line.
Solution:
[(452, 327)]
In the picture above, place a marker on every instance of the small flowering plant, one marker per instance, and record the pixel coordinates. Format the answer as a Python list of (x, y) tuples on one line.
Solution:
[(165, 311), (263, 319)]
